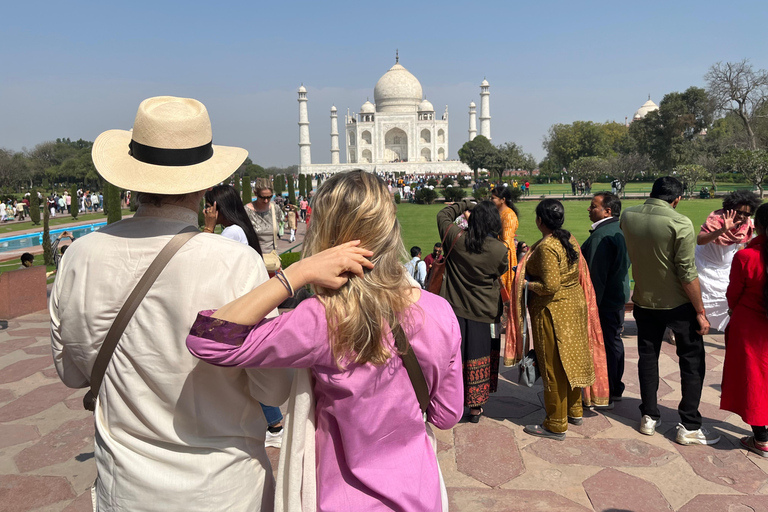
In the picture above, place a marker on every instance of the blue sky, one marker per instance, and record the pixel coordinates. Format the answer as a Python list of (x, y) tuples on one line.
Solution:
[(76, 69)]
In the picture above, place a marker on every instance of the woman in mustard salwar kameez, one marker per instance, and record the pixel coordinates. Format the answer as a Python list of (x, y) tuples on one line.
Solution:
[(559, 326)]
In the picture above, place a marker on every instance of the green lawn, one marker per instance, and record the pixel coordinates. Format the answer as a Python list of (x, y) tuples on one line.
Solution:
[(63, 218), (15, 264), (419, 224), (565, 188)]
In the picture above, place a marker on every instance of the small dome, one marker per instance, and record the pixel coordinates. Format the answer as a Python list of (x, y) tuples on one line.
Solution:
[(397, 91), (647, 107), (333, 108), (302, 88), (472, 104), (367, 108), (484, 83), (426, 106)]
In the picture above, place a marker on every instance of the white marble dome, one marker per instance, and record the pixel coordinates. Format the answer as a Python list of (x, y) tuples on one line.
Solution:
[(647, 107), (367, 108), (426, 106), (397, 91), (302, 88)]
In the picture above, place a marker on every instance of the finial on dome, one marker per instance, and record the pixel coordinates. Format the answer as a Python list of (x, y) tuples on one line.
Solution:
[(649, 97), (397, 56)]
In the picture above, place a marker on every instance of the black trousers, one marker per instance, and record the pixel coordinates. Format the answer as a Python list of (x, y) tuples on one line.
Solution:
[(651, 324), (611, 323)]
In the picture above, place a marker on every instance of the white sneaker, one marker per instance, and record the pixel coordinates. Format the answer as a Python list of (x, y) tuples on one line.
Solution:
[(649, 425), (274, 440), (701, 436)]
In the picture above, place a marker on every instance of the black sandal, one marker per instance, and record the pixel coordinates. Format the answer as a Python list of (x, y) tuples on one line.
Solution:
[(539, 431), (475, 418)]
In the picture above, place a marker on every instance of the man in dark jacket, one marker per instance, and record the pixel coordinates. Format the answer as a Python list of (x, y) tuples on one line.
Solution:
[(608, 262)]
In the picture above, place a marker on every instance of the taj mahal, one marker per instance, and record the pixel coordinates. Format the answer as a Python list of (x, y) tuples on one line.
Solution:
[(399, 132)]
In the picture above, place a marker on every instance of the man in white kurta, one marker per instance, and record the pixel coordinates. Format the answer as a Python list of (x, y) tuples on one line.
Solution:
[(172, 433)]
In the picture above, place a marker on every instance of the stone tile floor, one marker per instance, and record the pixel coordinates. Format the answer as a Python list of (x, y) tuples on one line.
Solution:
[(46, 445)]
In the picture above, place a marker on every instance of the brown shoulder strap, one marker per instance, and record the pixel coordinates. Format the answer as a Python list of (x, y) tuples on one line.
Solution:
[(129, 308), (413, 368)]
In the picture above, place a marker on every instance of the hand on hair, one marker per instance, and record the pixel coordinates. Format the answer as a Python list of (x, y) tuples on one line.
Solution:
[(331, 268), (211, 214)]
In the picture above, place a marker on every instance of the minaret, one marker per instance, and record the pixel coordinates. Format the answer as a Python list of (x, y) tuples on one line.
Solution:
[(334, 136), (485, 110), (305, 157), (472, 120)]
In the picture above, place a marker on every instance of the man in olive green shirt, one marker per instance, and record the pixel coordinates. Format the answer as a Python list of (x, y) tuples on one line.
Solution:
[(661, 245)]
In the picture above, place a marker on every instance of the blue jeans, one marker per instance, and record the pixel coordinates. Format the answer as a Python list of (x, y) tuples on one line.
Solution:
[(272, 414)]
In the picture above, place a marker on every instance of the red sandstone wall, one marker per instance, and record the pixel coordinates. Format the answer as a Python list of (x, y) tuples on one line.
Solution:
[(22, 292)]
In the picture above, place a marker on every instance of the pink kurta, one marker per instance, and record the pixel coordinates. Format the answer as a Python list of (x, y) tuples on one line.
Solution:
[(372, 449)]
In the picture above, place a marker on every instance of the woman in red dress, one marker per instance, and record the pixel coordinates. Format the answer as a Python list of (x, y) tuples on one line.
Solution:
[(745, 372)]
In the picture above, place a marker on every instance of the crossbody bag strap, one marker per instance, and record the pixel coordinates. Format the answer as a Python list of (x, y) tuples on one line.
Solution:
[(413, 368), (129, 308)]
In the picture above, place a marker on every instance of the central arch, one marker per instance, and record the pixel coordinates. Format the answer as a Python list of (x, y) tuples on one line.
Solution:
[(396, 145)]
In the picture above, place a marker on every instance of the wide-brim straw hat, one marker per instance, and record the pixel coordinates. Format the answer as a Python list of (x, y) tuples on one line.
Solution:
[(169, 151)]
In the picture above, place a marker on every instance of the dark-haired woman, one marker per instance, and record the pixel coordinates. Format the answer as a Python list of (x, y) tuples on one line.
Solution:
[(745, 371), (723, 233), (224, 206), (558, 311), (476, 259), (502, 199)]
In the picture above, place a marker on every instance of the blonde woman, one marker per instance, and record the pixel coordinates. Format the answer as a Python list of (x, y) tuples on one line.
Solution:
[(373, 451)]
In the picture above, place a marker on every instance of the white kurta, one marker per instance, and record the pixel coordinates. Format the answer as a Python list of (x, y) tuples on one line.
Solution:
[(713, 262), (172, 432)]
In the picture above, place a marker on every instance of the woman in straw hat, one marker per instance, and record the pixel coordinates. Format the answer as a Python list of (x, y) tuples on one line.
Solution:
[(171, 433), (373, 451)]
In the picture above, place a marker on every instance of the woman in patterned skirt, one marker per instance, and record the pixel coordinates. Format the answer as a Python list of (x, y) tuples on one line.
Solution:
[(475, 260)]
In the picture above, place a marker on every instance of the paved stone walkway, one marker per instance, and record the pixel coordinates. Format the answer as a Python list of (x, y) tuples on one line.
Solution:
[(46, 445)]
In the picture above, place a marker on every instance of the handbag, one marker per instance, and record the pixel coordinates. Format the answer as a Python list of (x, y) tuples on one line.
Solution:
[(437, 272), (528, 366), (272, 259), (129, 308)]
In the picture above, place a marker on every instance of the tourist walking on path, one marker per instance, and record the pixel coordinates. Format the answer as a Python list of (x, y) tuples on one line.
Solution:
[(265, 217), (661, 246), (373, 451), (605, 252), (417, 268), (723, 233), (476, 259), (745, 371), (290, 216), (558, 309), (171, 433), (224, 206)]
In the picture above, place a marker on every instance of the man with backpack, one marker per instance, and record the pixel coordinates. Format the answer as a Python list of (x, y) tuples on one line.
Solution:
[(416, 268)]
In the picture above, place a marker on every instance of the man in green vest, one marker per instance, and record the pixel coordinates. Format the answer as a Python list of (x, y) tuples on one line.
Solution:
[(608, 262)]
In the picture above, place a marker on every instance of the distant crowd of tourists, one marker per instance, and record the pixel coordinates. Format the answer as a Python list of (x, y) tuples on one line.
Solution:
[(195, 339)]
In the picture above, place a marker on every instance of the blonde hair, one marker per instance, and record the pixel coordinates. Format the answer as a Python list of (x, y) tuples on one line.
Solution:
[(356, 205)]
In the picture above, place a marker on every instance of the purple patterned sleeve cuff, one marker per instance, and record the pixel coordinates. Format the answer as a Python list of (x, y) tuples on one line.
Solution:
[(219, 330)]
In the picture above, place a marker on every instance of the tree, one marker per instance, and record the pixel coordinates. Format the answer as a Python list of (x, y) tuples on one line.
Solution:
[(625, 167), (34, 207), (589, 169), (236, 181), (47, 248), (112, 195), (669, 136), (690, 174), (425, 196), (278, 184), (475, 153), (752, 164), (302, 185), (247, 192), (738, 88), (446, 182), (74, 207), (292, 187), (511, 156)]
